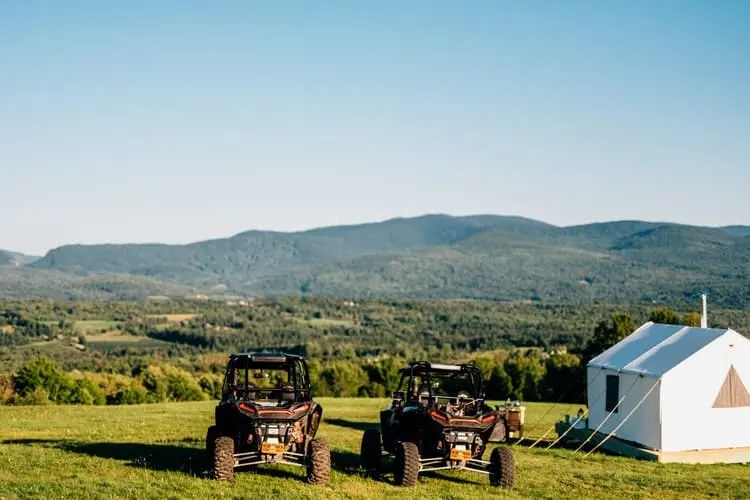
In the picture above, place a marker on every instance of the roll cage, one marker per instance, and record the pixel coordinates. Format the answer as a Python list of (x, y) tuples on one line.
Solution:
[(240, 384), (467, 376)]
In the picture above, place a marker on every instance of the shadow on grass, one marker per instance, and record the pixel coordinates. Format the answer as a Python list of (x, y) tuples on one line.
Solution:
[(545, 443), (467, 477), (156, 457), (350, 424), (346, 462)]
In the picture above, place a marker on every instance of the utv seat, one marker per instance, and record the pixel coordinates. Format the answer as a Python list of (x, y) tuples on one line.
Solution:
[(287, 393)]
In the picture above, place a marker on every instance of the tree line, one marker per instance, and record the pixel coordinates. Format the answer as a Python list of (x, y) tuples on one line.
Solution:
[(524, 374)]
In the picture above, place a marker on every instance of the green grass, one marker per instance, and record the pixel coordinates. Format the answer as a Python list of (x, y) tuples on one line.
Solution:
[(174, 318), (116, 337), (156, 451), (93, 326), (109, 345)]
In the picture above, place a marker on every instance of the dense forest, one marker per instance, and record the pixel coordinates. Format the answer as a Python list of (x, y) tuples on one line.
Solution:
[(145, 351)]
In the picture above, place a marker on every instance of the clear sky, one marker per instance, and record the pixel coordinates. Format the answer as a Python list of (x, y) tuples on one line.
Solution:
[(175, 121)]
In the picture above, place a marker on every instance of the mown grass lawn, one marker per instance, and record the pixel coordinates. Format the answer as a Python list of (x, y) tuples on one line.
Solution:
[(156, 451)]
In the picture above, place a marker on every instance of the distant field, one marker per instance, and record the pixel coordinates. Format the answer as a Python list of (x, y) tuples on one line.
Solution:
[(174, 318), (93, 326), (156, 451), (116, 336)]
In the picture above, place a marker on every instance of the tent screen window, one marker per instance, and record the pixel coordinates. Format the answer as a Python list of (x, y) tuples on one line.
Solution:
[(613, 392)]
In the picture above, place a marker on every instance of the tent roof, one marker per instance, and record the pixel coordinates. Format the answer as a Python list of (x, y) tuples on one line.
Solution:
[(654, 348)]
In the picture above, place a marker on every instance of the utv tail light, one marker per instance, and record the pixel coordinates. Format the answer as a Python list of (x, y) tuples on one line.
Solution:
[(488, 418), (247, 408), (438, 416)]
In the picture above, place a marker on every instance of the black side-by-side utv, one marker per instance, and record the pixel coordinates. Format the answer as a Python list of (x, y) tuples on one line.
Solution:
[(440, 422), (267, 415)]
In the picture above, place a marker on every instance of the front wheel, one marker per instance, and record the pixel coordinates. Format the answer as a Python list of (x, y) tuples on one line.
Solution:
[(371, 450), (318, 462), (502, 468), (406, 464)]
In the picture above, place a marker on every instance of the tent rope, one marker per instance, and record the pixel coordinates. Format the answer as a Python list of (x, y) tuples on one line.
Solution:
[(585, 413), (607, 417), (552, 407), (624, 420), (552, 427), (566, 432)]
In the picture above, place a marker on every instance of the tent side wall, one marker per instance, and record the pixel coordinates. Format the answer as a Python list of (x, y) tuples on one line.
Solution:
[(690, 422), (644, 425)]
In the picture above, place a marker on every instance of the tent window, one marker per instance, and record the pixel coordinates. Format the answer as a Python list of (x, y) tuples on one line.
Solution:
[(613, 393)]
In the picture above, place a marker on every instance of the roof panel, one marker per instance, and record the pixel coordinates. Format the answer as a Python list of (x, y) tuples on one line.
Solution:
[(634, 345), (674, 350), (655, 348)]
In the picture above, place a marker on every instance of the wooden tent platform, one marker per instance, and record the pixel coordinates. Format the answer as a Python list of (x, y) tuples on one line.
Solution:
[(624, 448)]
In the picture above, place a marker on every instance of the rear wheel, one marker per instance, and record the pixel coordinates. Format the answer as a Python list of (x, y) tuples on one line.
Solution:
[(370, 450), (502, 468), (318, 462), (223, 469), (406, 464)]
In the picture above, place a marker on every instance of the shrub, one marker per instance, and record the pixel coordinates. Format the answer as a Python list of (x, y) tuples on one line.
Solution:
[(6, 388), (133, 395), (211, 385), (154, 382), (181, 386), (39, 396), (87, 392), (42, 373), (169, 383)]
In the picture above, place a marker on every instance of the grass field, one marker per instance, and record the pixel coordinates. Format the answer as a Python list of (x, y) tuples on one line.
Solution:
[(116, 338), (93, 326), (156, 451), (174, 318)]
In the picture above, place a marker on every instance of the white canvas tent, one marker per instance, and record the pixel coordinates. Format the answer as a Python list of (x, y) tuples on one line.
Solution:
[(699, 380)]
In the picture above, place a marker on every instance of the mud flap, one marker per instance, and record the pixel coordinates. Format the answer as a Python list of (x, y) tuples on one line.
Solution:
[(499, 433), (386, 429)]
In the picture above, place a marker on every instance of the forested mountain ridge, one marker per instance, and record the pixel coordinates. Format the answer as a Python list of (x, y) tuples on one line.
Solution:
[(16, 259), (440, 256)]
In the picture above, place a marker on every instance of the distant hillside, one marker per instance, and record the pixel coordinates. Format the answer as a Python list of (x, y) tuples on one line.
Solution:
[(492, 265), (439, 256), (258, 254), (33, 283), (737, 230), (8, 258)]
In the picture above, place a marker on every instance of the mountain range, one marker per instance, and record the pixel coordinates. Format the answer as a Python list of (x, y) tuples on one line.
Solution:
[(16, 259), (432, 256)]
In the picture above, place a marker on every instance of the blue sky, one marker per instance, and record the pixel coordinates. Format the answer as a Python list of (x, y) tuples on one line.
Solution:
[(178, 121)]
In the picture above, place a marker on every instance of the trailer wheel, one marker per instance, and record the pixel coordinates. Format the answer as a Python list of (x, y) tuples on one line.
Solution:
[(502, 468), (223, 469), (406, 464)]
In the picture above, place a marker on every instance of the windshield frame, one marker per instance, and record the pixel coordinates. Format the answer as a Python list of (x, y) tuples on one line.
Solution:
[(428, 372), (297, 377)]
